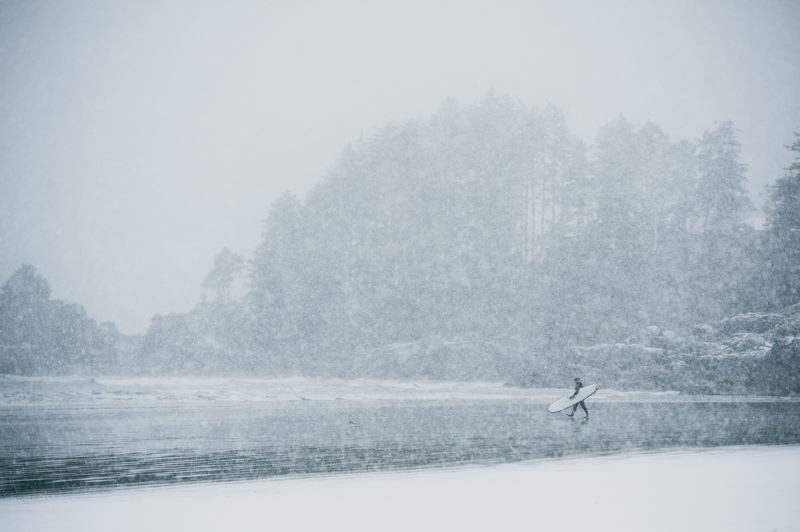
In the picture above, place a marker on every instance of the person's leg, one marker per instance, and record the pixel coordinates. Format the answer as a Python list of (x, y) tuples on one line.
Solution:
[(574, 408), (584, 408)]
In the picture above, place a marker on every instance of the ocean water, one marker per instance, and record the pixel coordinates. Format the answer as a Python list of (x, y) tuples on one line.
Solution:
[(83, 433)]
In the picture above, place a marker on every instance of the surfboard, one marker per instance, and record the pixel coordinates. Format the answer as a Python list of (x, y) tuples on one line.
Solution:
[(566, 402)]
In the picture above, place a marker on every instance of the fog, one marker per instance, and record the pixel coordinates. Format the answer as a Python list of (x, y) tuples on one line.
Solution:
[(137, 139)]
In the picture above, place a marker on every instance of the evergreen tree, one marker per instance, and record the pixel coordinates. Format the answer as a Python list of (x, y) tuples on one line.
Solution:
[(722, 198), (227, 266), (39, 335), (278, 290), (723, 261), (783, 233)]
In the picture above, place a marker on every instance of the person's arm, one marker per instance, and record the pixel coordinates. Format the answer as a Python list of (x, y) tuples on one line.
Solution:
[(577, 387)]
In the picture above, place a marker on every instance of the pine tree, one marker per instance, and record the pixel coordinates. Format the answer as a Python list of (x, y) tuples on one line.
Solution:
[(39, 335), (722, 198), (274, 269), (783, 233), (227, 266)]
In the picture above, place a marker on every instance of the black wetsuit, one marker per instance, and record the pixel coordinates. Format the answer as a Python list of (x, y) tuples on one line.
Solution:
[(578, 386)]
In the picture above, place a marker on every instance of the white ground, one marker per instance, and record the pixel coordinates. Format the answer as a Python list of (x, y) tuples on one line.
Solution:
[(734, 489)]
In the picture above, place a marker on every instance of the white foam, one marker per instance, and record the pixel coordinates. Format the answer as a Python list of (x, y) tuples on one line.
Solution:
[(99, 391)]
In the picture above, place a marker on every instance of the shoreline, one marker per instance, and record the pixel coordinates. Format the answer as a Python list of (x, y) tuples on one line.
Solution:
[(735, 488)]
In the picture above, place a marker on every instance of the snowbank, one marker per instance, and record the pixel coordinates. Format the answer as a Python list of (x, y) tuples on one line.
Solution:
[(744, 488)]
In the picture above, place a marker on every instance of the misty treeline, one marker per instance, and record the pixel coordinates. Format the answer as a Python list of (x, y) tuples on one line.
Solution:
[(489, 242), (41, 335)]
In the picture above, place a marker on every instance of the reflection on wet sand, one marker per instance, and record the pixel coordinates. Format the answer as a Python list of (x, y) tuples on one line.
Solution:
[(50, 449)]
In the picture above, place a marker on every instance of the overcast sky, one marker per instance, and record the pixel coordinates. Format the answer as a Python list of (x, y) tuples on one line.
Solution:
[(137, 139)]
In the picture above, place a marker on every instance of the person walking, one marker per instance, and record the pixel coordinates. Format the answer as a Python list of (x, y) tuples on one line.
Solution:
[(578, 386)]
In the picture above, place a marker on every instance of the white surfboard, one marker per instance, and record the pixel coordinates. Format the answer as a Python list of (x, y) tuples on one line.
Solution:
[(566, 402)]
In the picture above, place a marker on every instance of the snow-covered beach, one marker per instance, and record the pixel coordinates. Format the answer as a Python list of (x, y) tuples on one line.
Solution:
[(271, 265), (727, 490)]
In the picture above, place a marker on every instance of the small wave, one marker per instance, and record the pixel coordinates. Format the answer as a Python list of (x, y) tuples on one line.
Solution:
[(65, 379)]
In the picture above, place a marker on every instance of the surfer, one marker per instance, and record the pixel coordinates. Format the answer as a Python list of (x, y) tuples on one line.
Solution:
[(578, 386)]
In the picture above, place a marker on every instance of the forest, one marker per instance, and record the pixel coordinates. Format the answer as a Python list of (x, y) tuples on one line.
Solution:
[(487, 242)]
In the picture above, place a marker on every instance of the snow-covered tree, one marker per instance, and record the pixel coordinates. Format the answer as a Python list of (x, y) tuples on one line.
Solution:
[(783, 233), (39, 335), (227, 266), (721, 196)]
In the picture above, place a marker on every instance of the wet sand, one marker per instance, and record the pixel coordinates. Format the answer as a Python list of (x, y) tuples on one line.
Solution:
[(51, 448)]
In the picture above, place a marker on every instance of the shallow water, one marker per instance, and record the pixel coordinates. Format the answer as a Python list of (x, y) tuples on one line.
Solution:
[(51, 447)]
